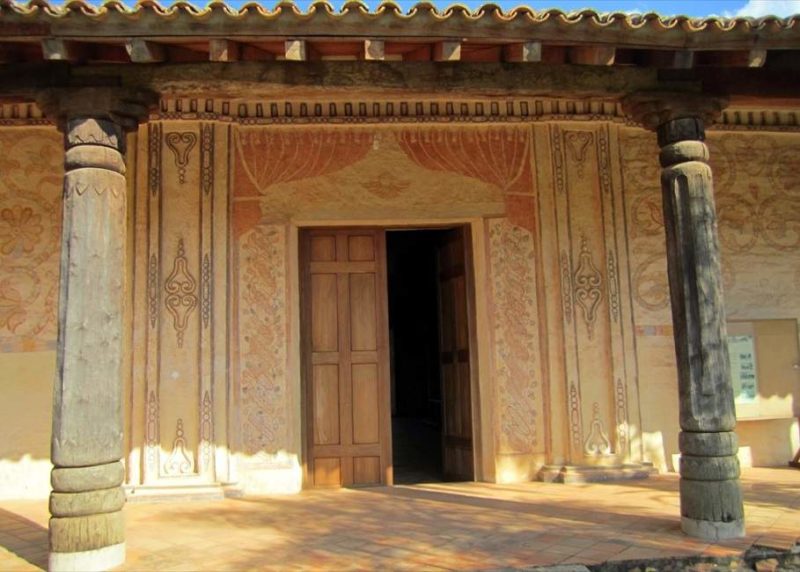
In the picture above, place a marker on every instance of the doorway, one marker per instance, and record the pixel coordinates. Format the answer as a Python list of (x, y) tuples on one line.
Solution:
[(430, 370), (386, 339)]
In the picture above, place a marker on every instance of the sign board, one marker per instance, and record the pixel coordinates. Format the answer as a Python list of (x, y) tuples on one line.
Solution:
[(744, 375)]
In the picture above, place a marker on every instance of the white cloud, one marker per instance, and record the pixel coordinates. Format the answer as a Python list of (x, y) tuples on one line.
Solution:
[(758, 8)]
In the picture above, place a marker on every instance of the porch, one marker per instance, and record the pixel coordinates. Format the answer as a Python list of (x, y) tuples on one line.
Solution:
[(452, 526)]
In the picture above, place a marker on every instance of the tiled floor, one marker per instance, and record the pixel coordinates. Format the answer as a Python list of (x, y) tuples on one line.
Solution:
[(455, 526)]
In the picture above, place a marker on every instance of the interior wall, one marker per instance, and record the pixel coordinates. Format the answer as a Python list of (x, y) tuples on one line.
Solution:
[(31, 170)]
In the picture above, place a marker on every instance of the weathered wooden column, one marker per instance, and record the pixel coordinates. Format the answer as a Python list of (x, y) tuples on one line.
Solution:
[(87, 527), (711, 498)]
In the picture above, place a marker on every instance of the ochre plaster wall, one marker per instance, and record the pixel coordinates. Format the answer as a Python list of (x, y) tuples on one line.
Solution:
[(757, 193), (30, 224), (576, 362)]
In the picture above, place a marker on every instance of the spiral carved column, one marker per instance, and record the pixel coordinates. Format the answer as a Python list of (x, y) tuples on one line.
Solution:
[(87, 530), (711, 497)]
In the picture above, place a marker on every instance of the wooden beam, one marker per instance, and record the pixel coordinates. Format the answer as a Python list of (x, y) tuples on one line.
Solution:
[(58, 50), (222, 50), (337, 79), (145, 52), (592, 55), (296, 50), (526, 52), (449, 51), (374, 50)]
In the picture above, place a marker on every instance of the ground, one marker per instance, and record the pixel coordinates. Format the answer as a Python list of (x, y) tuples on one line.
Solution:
[(437, 526)]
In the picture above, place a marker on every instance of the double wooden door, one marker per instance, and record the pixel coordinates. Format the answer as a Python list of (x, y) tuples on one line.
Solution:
[(346, 357)]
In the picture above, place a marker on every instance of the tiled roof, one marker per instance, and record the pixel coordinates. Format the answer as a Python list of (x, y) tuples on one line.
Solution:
[(389, 17), (420, 11)]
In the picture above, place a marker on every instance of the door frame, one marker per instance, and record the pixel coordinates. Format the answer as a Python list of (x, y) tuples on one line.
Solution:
[(477, 314)]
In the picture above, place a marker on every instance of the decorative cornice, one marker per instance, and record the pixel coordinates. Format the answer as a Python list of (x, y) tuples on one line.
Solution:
[(512, 110)]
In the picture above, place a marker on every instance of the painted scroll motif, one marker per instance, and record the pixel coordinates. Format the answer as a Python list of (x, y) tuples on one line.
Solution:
[(31, 170), (263, 339), (515, 336)]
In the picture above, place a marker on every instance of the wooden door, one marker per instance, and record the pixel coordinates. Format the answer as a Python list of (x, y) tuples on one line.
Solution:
[(345, 340), (454, 346)]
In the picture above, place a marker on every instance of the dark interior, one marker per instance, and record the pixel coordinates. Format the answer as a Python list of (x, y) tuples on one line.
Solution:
[(414, 343)]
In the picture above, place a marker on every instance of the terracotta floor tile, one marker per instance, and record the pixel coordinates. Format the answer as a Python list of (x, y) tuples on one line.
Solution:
[(461, 526)]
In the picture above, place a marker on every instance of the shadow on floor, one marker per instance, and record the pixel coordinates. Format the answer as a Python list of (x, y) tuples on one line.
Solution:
[(24, 538)]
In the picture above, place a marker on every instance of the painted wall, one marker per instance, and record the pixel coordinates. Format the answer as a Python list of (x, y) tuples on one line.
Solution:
[(30, 225), (758, 206), (576, 361)]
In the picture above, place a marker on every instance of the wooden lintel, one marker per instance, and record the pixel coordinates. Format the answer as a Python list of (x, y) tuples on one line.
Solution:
[(222, 50), (59, 50), (592, 55), (296, 50), (145, 52), (525, 52), (449, 51), (374, 50)]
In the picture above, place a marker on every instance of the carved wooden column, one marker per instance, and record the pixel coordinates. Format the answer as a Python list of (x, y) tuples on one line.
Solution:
[(711, 498), (87, 527)]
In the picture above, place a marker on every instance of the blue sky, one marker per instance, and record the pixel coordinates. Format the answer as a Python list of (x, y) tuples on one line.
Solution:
[(697, 8)]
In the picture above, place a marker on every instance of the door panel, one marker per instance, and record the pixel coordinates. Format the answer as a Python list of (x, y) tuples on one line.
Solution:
[(455, 358), (346, 357)]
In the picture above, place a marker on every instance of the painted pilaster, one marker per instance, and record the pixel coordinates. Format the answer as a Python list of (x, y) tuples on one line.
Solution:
[(711, 497), (87, 530)]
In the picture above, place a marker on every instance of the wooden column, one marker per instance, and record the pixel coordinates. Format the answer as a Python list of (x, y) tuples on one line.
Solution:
[(711, 497), (87, 527)]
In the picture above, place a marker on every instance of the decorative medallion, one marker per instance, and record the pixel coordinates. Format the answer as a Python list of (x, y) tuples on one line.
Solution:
[(206, 431), (152, 290), (151, 428), (566, 286), (604, 160), (588, 286), (154, 157), (577, 143), (597, 442), (179, 461), (181, 144), (613, 286), (558, 160), (205, 290), (207, 157), (575, 415), (181, 298), (622, 416)]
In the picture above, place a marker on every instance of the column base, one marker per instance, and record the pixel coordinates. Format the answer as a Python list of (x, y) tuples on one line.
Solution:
[(89, 561), (710, 530)]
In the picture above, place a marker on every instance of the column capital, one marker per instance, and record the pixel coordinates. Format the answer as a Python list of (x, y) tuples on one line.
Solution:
[(126, 107), (655, 108)]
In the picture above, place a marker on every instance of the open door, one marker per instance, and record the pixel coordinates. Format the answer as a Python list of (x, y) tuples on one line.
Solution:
[(454, 346), (345, 347)]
